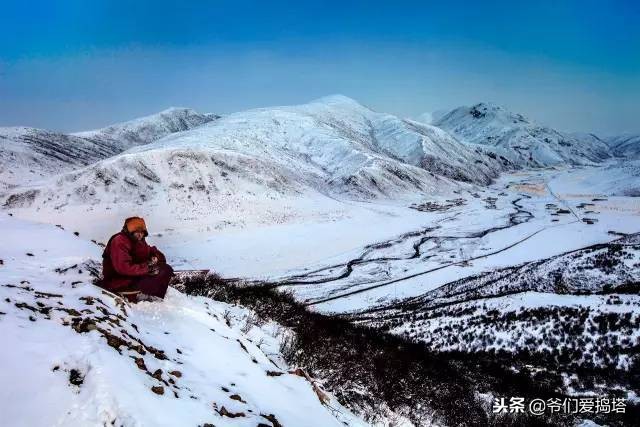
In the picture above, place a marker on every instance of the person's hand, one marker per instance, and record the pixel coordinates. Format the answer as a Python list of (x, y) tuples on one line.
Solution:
[(154, 269)]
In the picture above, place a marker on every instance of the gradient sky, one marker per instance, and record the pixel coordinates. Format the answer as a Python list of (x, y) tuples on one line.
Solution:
[(77, 64)]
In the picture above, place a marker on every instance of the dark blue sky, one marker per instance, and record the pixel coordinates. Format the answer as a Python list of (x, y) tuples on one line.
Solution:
[(74, 65)]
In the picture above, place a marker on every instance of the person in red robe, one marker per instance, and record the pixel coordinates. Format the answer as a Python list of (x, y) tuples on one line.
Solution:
[(131, 266)]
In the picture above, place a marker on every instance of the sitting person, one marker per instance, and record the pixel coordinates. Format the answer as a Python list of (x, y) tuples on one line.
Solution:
[(131, 267)]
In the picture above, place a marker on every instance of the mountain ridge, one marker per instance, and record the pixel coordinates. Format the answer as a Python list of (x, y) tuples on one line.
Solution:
[(42, 153), (520, 139)]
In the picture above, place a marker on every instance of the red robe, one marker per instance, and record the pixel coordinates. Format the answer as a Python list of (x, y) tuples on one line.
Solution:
[(125, 259)]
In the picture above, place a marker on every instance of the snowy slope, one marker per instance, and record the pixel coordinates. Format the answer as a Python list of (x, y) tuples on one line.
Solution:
[(620, 178), (265, 163), (147, 129), (88, 358), (582, 303), (519, 139), (29, 154), (627, 146), (430, 117)]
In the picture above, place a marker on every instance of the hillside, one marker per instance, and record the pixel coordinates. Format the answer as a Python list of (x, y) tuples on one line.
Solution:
[(29, 154), (271, 164), (150, 128), (626, 146), (89, 358), (499, 258), (519, 139)]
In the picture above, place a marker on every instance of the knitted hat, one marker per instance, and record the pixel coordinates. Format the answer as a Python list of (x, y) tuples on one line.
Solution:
[(134, 224)]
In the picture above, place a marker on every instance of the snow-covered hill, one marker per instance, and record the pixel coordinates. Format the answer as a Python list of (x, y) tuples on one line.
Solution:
[(519, 139), (29, 154), (620, 178), (263, 162), (430, 117), (627, 146), (147, 129), (86, 357)]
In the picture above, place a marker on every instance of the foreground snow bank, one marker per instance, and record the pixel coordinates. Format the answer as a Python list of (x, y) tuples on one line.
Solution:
[(84, 357)]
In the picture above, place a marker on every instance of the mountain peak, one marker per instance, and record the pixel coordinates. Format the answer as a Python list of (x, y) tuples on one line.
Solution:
[(519, 139), (490, 111), (144, 130), (336, 99), (175, 110)]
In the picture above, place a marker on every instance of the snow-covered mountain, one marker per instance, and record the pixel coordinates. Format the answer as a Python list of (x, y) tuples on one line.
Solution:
[(430, 117), (519, 139), (147, 129), (356, 213), (333, 146), (29, 154), (627, 146)]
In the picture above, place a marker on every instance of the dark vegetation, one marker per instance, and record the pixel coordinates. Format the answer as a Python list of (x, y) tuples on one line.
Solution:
[(368, 370), (572, 339)]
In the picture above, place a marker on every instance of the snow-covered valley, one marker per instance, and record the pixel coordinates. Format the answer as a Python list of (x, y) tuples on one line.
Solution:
[(485, 234)]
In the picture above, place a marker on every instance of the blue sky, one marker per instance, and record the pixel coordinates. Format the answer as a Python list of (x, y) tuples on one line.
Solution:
[(73, 65)]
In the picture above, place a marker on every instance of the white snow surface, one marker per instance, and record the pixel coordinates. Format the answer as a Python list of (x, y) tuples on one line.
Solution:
[(626, 145), (150, 128), (275, 165), (30, 154), (520, 139), (273, 194), (207, 359)]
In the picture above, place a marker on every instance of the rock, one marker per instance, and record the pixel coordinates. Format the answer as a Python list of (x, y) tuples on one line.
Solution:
[(225, 413), (75, 377), (157, 374), (237, 397), (83, 325), (272, 418), (140, 363), (176, 374), (158, 389)]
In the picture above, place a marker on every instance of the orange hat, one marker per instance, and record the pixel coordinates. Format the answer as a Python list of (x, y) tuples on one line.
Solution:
[(134, 224)]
